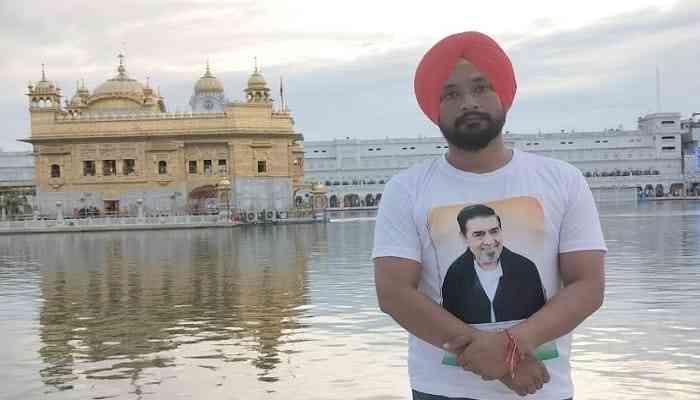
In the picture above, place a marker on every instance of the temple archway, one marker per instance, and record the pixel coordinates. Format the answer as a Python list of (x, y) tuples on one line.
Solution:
[(202, 199), (659, 190), (676, 189), (351, 200), (333, 201)]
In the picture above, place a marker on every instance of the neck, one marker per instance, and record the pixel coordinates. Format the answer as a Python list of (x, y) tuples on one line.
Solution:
[(488, 267), (488, 159)]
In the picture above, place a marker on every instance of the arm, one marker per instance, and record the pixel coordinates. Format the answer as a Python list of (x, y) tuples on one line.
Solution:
[(396, 281), (581, 266), (584, 284)]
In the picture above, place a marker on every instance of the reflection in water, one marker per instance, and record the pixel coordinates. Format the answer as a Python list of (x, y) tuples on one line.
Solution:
[(290, 312), (136, 295)]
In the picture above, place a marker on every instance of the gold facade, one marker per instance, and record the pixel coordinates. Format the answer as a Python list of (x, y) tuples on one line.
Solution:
[(120, 139)]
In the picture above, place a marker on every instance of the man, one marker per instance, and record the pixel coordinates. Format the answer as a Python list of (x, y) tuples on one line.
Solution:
[(489, 283), (465, 84)]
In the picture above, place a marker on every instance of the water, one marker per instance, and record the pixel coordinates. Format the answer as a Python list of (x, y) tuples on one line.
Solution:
[(290, 312)]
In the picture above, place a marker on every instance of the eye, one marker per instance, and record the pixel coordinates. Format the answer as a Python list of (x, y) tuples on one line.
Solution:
[(479, 89), (449, 95)]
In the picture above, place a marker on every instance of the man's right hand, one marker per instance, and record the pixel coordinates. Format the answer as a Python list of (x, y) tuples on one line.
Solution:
[(530, 376)]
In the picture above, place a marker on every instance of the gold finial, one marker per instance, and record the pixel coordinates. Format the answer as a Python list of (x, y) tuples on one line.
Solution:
[(208, 72), (43, 72), (256, 64), (148, 82), (121, 69)]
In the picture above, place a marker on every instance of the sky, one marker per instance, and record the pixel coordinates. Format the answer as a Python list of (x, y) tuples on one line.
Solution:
[(348, 66)]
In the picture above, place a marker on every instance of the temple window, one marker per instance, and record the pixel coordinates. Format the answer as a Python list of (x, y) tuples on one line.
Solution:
[(88, 168), (223, 170), (192, 167), (109, 167), (262, 167), (207, 167), (162, 167), (129, 167), (55, 171)]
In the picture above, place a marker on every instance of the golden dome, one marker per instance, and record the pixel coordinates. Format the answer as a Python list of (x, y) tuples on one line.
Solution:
[(224, 183), (208, 83), (44, 86), (120, 85), (76, 101), (256, 80)]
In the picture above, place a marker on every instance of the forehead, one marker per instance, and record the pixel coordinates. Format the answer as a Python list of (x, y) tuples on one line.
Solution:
[(482, 223), (464, 72)]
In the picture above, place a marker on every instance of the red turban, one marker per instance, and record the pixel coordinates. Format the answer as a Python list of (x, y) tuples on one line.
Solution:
[(480, 50)]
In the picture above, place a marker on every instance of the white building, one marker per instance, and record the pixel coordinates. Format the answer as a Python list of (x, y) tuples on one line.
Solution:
[(618, 164), (16, 168), (16, 182)]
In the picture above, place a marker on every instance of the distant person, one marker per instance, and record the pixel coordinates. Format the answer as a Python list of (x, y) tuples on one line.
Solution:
[(489, 283), (465, 84)]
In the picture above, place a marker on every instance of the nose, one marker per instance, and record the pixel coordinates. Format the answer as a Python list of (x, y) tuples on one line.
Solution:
[(469, 103)]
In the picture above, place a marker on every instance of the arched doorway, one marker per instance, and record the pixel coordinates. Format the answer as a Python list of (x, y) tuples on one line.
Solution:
[(695, 190), (676, 189), (351, 200), (659, 190), (298, 201), (377, 199), (334, 201), (203, 200), (369, 200), (648, 190)]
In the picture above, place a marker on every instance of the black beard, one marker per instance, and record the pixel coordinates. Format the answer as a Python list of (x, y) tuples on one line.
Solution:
[(461, 137)]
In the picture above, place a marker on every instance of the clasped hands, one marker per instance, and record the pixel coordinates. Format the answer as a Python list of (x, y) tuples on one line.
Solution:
[(485, 355)]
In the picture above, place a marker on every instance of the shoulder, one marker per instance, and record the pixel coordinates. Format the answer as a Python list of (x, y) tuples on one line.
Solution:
[(461, 266), (412, 179), (558, 178), (547, 166), (510, 258)]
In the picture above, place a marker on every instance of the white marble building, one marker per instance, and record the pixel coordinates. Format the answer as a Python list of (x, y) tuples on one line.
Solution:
[(17, 193), (16, 168), (655, 159)]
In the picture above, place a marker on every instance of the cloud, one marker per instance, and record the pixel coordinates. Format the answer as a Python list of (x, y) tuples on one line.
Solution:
[(348, 83)]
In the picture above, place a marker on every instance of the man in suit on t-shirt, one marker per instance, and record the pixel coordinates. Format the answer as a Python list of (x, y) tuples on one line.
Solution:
[(489, 282)]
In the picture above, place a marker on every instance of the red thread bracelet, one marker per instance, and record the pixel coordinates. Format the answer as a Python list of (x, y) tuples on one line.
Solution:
[(513, 355)]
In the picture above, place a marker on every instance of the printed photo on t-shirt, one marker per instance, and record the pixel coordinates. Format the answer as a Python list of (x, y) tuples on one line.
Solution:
[(487, 259)]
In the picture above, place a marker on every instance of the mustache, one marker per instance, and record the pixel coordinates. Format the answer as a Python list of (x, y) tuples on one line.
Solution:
[(472, 114)]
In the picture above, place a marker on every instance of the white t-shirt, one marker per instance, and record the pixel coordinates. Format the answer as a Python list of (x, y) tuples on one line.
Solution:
[(546, 208), (489, 281)]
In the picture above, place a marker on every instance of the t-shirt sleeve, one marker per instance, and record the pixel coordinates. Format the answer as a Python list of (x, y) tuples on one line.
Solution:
[(395, 232), (580, 228)]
